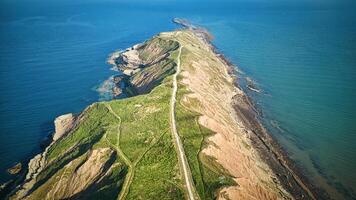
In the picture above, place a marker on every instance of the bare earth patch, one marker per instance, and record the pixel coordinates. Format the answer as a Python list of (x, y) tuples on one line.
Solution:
[(212, 88)]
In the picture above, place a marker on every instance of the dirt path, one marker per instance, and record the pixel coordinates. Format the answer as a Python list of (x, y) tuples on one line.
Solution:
[(122, 155), (178, 143), (179, 146)]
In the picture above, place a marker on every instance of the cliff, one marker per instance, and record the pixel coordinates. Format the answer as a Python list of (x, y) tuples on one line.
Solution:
[(124, 149)]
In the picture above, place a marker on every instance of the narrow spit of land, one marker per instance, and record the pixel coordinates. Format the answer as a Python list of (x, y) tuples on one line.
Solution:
[(188, 133), (180, 150)]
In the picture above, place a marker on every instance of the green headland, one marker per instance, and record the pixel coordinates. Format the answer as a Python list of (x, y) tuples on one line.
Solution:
[(127, 148)]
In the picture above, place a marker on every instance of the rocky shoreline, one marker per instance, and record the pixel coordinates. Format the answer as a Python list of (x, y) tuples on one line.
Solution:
[(133, 67), (25, 180), (290, 176)]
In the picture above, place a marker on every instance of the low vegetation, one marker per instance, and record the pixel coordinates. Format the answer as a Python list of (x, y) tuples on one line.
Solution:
[(208, 176), (138, 130)]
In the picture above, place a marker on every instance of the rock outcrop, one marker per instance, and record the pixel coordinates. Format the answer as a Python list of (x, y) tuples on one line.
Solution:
[(62, 125), (144, 65), (123, 148), (79, 174), (15, 169)]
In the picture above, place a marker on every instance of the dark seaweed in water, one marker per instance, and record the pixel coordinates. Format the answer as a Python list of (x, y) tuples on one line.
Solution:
[(288, 173), (123, 87)]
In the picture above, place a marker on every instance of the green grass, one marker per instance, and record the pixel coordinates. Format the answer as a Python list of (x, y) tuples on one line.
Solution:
[(159, 55), (208, 176), (145, 139), (144, 118), (160, 45), (93, 125), (109, 187), (95, 121), (156, 73), (42, 190), (157, 174)]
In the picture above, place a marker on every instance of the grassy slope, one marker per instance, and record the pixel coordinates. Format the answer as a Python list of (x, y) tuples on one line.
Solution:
[(156, 53), (145, 139), (208, 176)]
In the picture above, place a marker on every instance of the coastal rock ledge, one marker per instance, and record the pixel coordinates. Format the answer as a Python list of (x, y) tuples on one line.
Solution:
[(62, 125), (187, 131)]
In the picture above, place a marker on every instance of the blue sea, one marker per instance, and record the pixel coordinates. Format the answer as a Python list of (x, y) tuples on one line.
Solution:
[(302, 55)]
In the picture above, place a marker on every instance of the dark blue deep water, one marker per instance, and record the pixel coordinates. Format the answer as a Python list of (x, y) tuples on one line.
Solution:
[(301, 55)]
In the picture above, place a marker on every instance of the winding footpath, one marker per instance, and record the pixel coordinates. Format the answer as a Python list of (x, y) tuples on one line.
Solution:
[(179, 146), (131, 170), (178, 143)]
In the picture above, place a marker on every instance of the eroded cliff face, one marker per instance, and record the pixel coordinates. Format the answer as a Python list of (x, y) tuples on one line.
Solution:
[(70, 167), (77, 176), (144, 66), (124, 148), (82, 161), (62, 125), (211, 93)]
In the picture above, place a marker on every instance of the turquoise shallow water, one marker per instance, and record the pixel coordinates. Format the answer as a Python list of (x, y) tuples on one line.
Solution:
[(52, 57), (304, 61)]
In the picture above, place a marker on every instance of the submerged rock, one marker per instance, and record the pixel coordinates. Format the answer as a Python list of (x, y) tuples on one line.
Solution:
[(117, 91), (119, 84), (252, 86), (15, 169), (93, 162)]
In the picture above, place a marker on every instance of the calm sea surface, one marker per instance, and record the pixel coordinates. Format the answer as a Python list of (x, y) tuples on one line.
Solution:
[(302, 57)]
